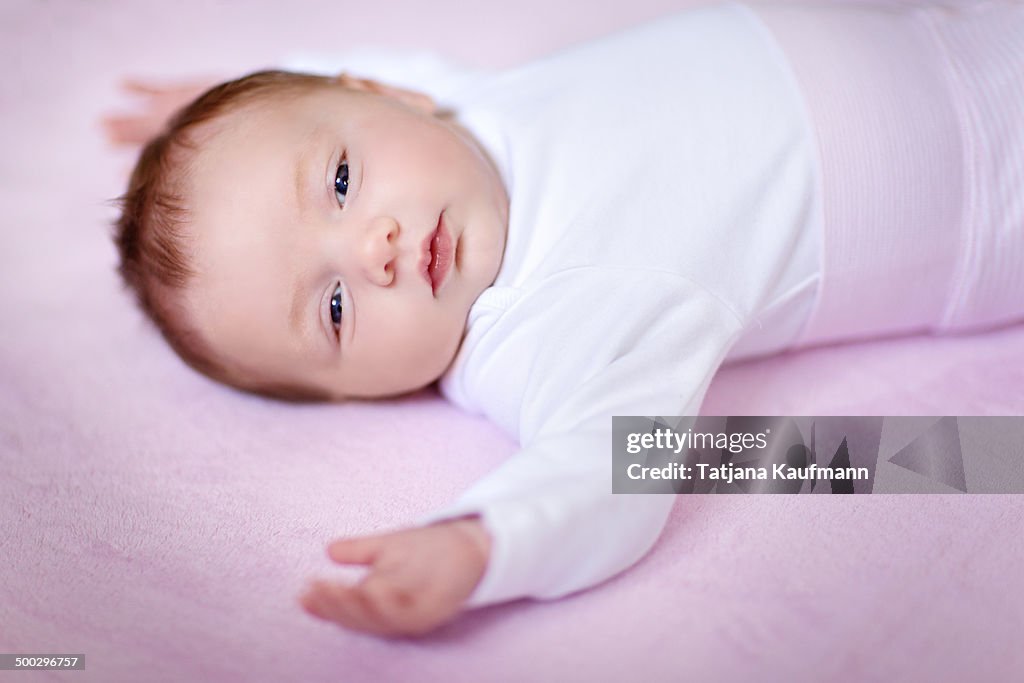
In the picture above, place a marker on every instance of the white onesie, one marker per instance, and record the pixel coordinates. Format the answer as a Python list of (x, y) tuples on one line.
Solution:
[(663, 210)]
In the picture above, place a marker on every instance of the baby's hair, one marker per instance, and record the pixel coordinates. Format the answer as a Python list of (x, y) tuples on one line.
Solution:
[(149, 233)]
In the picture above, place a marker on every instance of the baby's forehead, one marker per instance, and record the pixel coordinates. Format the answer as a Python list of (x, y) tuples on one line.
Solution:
[(253, 133), (244, 176), (248, 122), (291, 115)]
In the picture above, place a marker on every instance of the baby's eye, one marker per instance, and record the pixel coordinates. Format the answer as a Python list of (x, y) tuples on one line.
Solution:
[(336, 307), (341, 182)]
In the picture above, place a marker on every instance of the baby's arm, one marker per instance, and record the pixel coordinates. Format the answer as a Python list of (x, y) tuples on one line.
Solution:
[(650, 348)]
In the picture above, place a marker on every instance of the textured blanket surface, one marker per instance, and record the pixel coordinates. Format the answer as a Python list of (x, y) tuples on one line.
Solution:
[(164, 526)]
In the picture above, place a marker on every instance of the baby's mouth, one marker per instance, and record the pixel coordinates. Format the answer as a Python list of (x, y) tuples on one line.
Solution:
[(437, 255)]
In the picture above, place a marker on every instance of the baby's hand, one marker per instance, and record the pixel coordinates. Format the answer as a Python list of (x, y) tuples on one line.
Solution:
[(418, 578), (158, 102)]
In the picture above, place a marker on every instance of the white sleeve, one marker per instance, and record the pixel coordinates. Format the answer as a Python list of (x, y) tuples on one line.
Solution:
[(555, 526)]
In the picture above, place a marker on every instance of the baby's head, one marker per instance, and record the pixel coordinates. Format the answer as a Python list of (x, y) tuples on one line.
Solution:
[(309, 237)]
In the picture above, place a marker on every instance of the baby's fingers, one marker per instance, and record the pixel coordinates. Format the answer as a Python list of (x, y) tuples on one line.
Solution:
[(141, 87), (122, 130), (361, 550), (348, 606)]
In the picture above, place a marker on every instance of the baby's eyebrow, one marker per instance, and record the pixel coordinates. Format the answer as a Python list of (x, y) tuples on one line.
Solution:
[(297, 314), (304, 198), (316, 339)]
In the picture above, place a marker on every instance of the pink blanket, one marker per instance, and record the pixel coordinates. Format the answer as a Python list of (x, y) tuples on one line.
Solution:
[(164, 526)]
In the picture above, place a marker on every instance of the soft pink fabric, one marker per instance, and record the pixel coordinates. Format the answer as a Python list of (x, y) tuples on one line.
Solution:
[(163, 525)]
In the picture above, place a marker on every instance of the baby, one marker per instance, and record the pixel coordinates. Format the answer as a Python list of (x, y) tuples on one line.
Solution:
[(592, 234)]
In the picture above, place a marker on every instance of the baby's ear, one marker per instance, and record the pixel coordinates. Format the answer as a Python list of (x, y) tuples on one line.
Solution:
[(411, 98)]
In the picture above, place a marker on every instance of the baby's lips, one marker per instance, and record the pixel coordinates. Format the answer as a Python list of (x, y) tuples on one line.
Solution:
[(442, 248)]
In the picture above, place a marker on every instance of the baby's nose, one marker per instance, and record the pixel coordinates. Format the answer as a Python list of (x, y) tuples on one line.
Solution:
[(380, 249)]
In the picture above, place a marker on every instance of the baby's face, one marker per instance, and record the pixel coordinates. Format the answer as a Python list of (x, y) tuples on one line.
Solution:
[(340, 240)]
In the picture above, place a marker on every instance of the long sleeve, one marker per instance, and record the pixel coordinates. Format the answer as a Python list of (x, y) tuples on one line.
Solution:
[(651, 348)]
